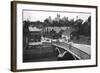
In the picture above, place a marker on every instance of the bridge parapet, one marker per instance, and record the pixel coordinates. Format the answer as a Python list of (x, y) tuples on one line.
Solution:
[(80, 54)]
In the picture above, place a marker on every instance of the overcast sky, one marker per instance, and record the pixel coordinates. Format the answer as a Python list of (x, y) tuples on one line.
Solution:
[(42, 15)]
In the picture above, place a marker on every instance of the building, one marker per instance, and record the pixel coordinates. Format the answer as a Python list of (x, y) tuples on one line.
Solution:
[(34, 35), (66, 36)]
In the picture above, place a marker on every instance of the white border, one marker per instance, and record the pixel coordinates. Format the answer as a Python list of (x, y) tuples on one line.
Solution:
[(21, 65)]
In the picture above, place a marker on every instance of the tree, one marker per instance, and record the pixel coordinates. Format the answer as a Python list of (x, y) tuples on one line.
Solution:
[(87, 27), (26, 24), (77, 28)]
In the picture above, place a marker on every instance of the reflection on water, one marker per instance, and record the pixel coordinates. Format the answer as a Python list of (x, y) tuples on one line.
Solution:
[(44, 52)]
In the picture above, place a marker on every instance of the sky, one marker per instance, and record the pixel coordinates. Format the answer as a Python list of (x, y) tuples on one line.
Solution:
[(33, 15)]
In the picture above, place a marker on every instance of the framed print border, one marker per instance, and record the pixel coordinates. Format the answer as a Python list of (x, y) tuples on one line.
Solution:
[(14, 35)]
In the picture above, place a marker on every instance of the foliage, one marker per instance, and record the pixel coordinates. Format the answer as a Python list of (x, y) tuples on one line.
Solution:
[(77, 27)]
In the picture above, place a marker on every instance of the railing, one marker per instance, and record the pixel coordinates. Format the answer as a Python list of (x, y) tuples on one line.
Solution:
[(73, 50)]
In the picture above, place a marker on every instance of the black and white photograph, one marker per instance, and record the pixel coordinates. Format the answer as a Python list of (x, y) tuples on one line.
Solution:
[(56, 35), (53, 36)]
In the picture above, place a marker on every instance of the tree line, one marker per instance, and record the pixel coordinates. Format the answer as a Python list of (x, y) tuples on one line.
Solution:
[(80, 27)]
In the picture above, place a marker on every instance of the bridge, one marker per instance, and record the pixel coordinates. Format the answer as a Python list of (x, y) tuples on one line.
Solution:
[(79, 51)]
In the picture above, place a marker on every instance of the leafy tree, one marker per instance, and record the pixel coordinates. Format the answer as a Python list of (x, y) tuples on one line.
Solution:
[(86, 27), (26, 24)]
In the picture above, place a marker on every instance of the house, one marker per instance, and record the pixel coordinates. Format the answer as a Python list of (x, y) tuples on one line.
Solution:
[(66, 36), (34, 34)]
